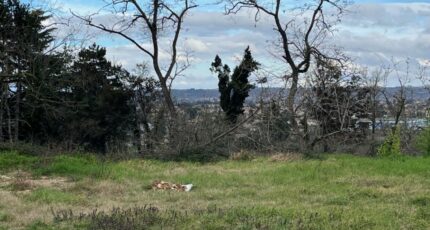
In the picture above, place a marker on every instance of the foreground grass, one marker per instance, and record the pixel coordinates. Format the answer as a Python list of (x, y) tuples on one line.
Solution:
[(338, 192)]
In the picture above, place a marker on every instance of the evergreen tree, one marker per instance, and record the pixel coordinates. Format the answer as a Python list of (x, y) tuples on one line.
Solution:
[(23, 39), (102, 111), (234, 89), (47, 98)]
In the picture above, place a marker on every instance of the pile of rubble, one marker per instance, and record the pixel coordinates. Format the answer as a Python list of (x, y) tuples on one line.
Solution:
[(163, 185)]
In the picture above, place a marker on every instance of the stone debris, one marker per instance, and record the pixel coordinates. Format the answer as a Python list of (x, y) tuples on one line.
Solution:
[(163, 185)]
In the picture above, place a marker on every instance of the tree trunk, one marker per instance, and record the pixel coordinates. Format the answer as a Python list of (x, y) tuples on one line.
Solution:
[(301, 139), (399, 112), (3, 91), (17, 110), (291, 99), (1, 115), (9, 124), (168, 98), (374, 98)]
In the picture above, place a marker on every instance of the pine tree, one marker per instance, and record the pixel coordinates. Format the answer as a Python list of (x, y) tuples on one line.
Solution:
[(23, 39), (102, 100)]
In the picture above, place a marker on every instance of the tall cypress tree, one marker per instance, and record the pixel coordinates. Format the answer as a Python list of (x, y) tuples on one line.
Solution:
[(234, 89)]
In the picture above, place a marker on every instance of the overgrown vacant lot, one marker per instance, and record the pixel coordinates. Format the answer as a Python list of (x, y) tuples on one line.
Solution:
[(335, 192)]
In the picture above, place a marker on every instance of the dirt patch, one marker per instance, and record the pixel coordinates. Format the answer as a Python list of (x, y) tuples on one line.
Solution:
[(24, 181), (285, 157), (374, 183)]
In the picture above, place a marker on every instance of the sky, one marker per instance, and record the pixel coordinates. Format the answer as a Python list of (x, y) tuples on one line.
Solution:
[(372, 33)]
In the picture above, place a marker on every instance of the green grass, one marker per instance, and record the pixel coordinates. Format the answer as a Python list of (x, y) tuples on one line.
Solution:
[(12, 160), (39, 225), (336, 192), (78, 167), (51, 195), (4, 217)]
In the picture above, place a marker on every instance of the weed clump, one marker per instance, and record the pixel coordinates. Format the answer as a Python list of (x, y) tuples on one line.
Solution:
[(242, 155), (117, 218), (20, 184), (391, 146), (150, 217), (423, 142)]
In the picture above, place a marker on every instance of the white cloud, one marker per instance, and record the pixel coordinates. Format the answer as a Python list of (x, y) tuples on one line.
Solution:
[(196, 45), (371, 34), (424, 62)]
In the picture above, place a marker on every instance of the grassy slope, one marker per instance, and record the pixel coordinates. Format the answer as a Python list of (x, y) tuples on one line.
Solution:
[(339, 192)]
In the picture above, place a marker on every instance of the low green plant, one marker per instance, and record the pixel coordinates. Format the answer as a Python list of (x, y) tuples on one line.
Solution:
[(39, 225), (423, 142), (421, 201), (392, 144), (4, 217)]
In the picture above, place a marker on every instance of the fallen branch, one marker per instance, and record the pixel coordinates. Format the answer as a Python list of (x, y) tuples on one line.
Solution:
[(232, 128)]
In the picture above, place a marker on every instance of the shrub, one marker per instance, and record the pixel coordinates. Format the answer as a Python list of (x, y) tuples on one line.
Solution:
[(423, 142), (391, 145)]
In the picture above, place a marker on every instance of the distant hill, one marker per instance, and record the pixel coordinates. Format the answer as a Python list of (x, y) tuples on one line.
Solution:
[(201, 95)]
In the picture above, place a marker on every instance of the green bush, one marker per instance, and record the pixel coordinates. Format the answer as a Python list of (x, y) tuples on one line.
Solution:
[(423, 142), (391, 146)]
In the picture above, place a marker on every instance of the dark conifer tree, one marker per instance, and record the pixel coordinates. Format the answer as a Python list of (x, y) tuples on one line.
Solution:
[(234, 89), (102, 110), (23, 40)]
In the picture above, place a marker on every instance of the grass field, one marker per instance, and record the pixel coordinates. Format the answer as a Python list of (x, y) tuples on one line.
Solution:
[(334, 192)]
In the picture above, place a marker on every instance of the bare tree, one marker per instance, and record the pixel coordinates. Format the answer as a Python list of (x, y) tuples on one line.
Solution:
[(299, 41), (397, 102), (153, 20), (336, 101), (424, 75), (374, 82)]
